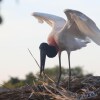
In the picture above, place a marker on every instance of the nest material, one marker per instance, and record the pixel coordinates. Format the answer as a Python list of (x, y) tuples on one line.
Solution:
[(85, 88)]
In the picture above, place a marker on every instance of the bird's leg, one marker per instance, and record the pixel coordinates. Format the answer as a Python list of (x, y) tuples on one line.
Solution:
[(60, 72), (69, 70)]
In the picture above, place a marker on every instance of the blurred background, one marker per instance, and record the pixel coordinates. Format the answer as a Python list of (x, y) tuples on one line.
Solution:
[(19, 30)]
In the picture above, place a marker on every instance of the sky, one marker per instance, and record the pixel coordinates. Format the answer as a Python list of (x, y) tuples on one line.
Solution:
[(20, 31)]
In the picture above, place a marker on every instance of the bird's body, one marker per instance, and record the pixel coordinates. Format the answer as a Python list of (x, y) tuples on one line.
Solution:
[(65, 34), (72, 34)]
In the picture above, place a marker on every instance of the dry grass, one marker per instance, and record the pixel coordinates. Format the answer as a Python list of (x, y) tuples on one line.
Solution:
[(86, 88)]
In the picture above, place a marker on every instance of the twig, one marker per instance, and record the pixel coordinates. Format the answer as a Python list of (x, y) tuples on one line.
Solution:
[(33, 58), (39, 65)]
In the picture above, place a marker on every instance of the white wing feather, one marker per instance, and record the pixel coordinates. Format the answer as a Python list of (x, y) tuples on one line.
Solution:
[(86, 25), (54, 21)]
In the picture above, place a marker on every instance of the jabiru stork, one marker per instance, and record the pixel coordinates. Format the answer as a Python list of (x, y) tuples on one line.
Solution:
[(69, 35)]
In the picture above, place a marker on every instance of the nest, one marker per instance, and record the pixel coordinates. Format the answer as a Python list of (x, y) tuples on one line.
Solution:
[(85, 88)]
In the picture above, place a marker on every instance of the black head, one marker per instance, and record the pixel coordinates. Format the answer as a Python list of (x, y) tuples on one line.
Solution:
[(46, 50)]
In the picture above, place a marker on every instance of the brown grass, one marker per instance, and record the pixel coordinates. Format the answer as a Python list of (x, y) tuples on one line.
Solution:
[(86, 88)]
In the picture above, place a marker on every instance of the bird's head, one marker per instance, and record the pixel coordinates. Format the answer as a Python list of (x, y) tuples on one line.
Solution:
[(46, 50)]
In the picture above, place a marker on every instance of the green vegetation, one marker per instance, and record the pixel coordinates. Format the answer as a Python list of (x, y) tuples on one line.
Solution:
[(53, 73), (15, 82)]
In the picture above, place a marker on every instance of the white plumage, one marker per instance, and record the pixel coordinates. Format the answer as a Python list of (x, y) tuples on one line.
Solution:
[(72, 34)]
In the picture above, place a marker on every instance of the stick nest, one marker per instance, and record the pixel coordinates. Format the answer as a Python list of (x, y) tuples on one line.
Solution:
[(85, 88)]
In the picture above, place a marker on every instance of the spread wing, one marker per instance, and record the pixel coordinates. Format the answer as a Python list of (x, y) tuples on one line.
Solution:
[(86, 26), (54, 21)]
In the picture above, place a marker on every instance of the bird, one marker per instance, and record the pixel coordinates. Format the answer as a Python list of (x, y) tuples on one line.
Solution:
[(66, 35)]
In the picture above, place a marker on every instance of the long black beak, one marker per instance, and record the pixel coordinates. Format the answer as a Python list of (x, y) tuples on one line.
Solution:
[(42, 60)]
